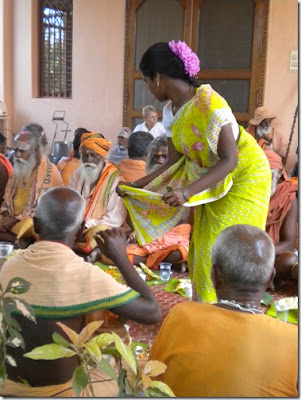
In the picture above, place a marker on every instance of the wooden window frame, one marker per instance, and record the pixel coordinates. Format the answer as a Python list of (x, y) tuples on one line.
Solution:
[(256, 74), (61, 86)]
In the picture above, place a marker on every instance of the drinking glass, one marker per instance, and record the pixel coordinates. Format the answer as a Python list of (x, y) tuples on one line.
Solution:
[(281, 311), (165, 271), (5, 249)]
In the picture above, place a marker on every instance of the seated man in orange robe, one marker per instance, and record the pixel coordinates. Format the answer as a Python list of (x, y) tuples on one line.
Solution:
[(69, 165), (282, 218), (32, 176), (96, 180), (134, 167), (171, 247), (260, 127), (231, 349)]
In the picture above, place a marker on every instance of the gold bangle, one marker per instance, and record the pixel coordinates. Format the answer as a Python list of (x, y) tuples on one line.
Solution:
[(293, 267)]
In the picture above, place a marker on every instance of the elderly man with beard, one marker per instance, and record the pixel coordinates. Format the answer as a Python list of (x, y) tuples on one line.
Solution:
[(261, 129), (32, 176), (96, 180)]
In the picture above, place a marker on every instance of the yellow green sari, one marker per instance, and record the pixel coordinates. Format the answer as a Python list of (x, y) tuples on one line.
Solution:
[(242, 197)]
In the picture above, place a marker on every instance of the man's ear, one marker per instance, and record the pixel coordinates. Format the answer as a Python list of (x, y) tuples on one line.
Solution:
[(80, 230), (271, 278), (216, 277), (36, 225)]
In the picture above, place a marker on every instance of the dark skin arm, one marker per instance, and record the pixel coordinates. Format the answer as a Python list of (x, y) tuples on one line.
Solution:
[(173, 157), (288, 230), (227, 152), (145, 309)]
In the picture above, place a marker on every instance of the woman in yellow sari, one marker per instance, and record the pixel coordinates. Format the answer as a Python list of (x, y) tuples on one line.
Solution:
[(214, 165)]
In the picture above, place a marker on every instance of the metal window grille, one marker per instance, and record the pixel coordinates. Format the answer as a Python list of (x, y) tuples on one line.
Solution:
[(56, 48)]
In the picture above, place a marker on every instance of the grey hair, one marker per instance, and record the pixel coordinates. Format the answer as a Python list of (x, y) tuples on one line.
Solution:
[(160, 141), (244, 254), (59, 214), (37, 139), (146, 109)]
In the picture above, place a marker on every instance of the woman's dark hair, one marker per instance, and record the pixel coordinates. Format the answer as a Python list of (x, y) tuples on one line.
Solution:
[(160, 59), (138, 144), (76, 141)]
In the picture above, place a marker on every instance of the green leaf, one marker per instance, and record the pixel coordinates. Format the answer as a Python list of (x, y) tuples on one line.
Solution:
[(153, 392), (73, 336), (163, 388), (80, 380), (105, 366), (15, 324), (1, 324), (17, 286), (51, 351), (15, 339), (10, 360), (267, 299), (103, 339), (21, 306), (121, 381), (94, 351), (154, 368), (58, 339), (126, 353), (3, 374), (88, 331)]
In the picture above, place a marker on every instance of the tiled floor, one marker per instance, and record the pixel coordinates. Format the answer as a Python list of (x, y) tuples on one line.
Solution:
[(147, 334)]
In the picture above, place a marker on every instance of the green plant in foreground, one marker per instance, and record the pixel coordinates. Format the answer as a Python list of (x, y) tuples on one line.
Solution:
[(10, 328), (92, 353)]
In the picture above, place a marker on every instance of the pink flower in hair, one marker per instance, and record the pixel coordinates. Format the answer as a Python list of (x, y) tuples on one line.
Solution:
[(187, 56)]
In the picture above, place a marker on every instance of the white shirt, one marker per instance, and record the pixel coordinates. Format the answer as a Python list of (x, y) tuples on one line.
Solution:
[(157, 130)]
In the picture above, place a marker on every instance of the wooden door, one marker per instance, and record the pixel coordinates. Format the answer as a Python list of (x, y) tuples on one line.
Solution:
[(229, 37)]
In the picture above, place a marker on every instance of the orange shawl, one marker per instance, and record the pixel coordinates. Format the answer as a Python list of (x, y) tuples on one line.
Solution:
[(279, 206), (6, 164)]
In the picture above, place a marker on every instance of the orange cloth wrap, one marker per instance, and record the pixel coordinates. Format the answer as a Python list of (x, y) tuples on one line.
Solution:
[(96, 142)]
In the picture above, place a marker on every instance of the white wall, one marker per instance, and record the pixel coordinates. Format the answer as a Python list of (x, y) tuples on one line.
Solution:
[(98, 56)]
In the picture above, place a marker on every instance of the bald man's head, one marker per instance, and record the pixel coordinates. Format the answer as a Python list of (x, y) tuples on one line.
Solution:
[(60, 213)]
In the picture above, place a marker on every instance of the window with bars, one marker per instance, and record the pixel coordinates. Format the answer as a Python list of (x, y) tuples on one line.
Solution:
[(56, 48)]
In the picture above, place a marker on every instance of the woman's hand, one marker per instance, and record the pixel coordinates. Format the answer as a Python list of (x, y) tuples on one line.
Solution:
[(119, 191), (175, 198)]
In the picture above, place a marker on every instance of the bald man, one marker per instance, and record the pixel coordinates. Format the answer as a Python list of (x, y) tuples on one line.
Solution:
[(96, 180), (66, 288)]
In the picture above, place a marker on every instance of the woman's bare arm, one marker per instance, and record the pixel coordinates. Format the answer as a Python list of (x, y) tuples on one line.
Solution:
[(227, 152)]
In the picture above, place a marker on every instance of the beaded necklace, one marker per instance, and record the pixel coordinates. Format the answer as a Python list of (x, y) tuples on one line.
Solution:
[(241, 306)]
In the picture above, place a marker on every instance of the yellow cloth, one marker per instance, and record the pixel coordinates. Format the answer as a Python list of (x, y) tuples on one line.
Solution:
[(132, 170), (223, 353), (96, 142), (62, 284), (22, 194), (101, 389)]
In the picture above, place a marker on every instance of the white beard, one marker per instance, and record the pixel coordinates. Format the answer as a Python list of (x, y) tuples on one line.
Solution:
[(24, 168), (153, 167), (262, 132), (90, 172)]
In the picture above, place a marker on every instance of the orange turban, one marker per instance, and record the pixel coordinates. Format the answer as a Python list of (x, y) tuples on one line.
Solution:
[(95, 141)]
